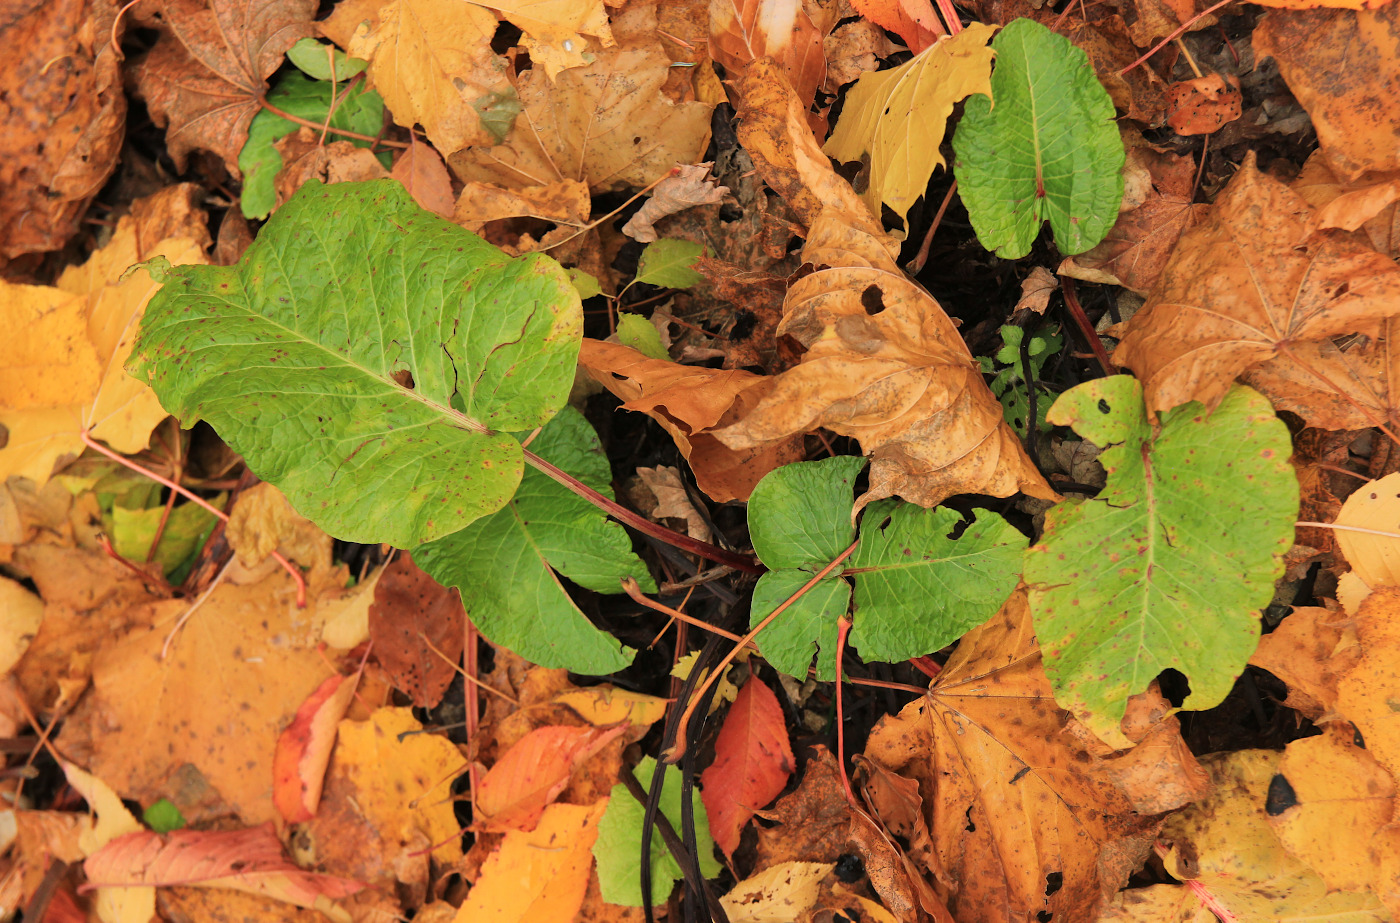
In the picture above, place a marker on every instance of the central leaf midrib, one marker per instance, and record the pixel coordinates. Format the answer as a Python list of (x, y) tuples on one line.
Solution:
[(451, 413)]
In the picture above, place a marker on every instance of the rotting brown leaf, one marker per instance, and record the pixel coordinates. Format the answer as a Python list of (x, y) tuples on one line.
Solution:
[(1252, 281)]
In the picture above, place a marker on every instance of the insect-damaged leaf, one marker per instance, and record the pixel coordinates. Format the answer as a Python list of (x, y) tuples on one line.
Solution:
[(366, 356), (1169, 564)]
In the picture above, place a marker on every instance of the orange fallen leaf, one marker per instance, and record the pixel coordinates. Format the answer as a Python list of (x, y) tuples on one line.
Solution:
[(1365, 692), (990, 718), (539, 876), (531, 774), (1342, 203), (1310, 650), (1204, 105), (1249, 283), (249, 859), (912, 20), (1353, 108), (742, 31), (688, 401), (753, 761), (304, 749), (423, 174)]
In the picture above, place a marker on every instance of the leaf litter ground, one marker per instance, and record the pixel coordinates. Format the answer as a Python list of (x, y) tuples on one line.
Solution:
[(179, 679)]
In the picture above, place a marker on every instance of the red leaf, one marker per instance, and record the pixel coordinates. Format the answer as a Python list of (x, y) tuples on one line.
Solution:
[(304, 750), (416, 625), (753, 761), (531, 774), (248, 860)]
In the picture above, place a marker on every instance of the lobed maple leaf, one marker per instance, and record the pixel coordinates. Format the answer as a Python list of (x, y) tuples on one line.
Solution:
[(1250, 283), (207, 75), (884, 363)]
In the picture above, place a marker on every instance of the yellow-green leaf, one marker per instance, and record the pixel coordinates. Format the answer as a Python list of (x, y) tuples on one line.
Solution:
[(897, 117)]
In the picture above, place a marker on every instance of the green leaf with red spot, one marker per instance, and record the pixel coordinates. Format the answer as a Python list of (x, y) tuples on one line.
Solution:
[(369, 359), (1168, 566)]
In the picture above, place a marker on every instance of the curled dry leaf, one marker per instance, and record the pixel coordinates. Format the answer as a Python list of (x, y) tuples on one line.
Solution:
[(206, 77), (990, 723), (1365, 204), (1248, 284), (64, 125), (532, 773), (262, 521), (884, 363), (690, 187), (852, 49), (1354, 109), (688, 401), (304, 750), (742, 31), (248, 860)]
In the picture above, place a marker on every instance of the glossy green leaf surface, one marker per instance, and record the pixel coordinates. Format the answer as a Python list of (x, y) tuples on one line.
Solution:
[(504, 564), (1043, 148), (1168, 566), (368, 358)]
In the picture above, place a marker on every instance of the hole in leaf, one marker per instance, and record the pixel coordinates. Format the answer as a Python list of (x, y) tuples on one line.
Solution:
[(872, 299), (1281, 796), (849, 867), (1103, 406), (1175, 687), (1356, 737), (4, 435), (971, 827), (1053, 882)]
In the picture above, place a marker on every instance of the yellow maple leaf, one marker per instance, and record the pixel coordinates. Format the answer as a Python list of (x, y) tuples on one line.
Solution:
[(897, 117), (552, 29)]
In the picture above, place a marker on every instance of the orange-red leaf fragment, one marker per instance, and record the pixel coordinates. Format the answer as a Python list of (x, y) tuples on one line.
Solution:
[(753, 760), (248, 860), (531, 774), (304, 750)]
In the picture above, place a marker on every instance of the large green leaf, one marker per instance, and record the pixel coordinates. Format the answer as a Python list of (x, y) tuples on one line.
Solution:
[(618, 847), (1169, 565), (296, 354), (918, 588), (359, 110), (504, 564), (1043, 147)]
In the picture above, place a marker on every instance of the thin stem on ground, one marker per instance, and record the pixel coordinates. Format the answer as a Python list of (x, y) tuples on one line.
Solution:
[(677, 750), (657, 531), (1081, 320)]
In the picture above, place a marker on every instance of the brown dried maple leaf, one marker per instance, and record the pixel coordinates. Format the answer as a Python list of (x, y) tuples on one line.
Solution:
[(206, 76), (988, 728), (884, 363), (1251, 282)]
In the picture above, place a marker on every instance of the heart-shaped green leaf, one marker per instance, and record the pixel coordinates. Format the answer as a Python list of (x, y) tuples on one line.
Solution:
[(1043, 147)]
